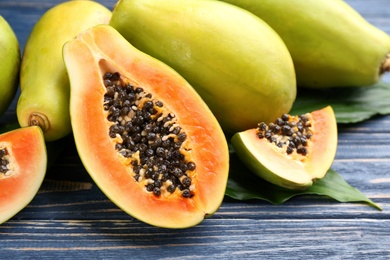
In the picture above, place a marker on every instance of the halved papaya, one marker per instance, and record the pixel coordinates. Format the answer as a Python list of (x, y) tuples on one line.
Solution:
[(143, 133), (291, 152), (23, 166)]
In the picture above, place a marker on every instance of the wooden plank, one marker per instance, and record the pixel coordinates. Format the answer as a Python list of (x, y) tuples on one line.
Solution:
[(222, 238)]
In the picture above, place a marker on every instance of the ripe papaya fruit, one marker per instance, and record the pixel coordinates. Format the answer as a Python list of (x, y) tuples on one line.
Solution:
[(44, 98), (9, 65), (23, 161), (331, 44), (235, 61), (291, 152), (143, 133)]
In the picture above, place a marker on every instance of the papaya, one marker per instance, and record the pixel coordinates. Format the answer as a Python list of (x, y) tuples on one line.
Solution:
[(44, 84), (291, 152), (236, 62), (23, 166), (331, 44), (9, 65), (145, 136)]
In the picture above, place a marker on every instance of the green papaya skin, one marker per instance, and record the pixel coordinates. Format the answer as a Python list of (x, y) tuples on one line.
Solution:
[(331, 44), (236, 62), (44, 98), (9, 64)]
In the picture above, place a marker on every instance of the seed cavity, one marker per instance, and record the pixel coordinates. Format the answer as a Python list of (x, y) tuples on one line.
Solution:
[(150, 136), (4, 162), (290, 133)]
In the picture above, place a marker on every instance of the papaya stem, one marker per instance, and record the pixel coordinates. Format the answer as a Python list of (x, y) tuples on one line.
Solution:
[(38, 119), (385, 65)]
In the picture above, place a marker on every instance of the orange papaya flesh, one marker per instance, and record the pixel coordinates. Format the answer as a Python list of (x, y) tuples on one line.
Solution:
[(291, 152), (22, 170), (102, 66)]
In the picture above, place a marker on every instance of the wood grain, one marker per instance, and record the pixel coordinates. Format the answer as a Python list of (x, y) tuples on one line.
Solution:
[(71, 218)]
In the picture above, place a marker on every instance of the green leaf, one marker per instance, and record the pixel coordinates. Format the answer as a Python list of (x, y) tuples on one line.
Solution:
[(244, 185), (350, 104)]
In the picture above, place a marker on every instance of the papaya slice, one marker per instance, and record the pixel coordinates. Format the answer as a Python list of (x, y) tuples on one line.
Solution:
[(23, 166), (143, 133), (291, 152)]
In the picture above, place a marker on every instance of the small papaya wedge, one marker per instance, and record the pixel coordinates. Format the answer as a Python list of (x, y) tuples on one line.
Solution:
[(332, 45), (44, 98), (9, 65), (23, 160), (235, 61), (292, 152)]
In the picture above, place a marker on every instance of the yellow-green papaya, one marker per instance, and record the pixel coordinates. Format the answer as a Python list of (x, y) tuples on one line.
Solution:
[(332, 45), (44, 83), (9, 64), (237, 63)]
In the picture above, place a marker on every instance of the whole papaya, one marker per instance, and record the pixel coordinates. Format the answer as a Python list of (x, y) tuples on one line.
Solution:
[(332, 45), (9, 64), (44, 98), (236, 62)]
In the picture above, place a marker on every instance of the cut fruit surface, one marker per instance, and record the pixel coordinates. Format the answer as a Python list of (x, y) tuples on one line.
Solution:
[(144, 135), (299, 153), (23, 166)]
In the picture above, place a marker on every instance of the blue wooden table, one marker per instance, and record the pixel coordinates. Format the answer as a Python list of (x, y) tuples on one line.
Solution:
[(71, 218)]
